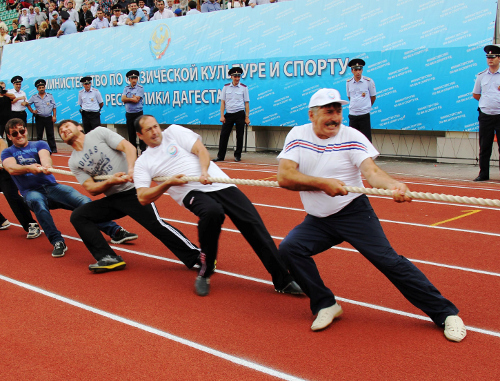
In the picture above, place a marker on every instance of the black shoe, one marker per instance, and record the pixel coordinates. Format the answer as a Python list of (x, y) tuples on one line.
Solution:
[(217, 159), (59, 249), (480, 178), (202, 286), (108, 263), (123, 236), (291, 288), (237, 159)]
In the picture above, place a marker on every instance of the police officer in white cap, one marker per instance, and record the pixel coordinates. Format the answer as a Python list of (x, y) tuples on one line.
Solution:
[(487, 92), (19, 103), (361, 92)]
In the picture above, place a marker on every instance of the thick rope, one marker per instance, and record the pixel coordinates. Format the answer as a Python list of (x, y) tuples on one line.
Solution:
[(374, 191)]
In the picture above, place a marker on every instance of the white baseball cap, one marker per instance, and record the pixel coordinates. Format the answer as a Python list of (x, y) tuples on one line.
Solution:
[(326, 96)]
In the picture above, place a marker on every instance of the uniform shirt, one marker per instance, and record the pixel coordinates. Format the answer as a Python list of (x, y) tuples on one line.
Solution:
[(359, 93), (172, 157), (139, 13), (165, 15), (98, 24), (488, 85), (121, 20), (26, 156), (193, 11), (89, 100), (18, 106), (235, 97), (45, 105), (208, 6), (338, 157), (68, 27), (100, 157), (130, 91)]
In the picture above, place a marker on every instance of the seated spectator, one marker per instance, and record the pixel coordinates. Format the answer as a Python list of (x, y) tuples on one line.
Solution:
[(178, 12), (253, 3), (192, 8), (235, 4), (135, 15), (55, 16), (68, 26), (22, 36), (210, 6), (54, 28), (43, 30), (88, 25), (100, 22), (123, 5), (4, 37), (162, 12), (144, 8), (118, 17), (83, 15), (3, 25)]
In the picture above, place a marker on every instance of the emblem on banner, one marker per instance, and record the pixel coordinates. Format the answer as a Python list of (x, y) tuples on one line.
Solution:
[(160, 40)]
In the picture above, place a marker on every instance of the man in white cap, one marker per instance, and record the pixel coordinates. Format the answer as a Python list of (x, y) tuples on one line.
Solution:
[(318, 159)]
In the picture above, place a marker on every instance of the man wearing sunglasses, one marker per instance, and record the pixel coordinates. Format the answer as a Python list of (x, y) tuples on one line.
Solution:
[(361, 93), (236, 102), (28, 163), (487, 92)]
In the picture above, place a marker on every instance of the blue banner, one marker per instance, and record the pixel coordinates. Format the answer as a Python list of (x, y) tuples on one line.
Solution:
[(422, 55)]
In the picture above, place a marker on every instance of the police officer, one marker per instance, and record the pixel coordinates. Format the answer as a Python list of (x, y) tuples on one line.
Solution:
[(90, 101), (45, 113), (487, 92), (361, 92), (19, 103), (133, 97), (236, 102)]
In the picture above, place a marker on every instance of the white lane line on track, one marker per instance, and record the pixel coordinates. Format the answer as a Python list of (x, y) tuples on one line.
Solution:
[(203, 348), (258, 280)]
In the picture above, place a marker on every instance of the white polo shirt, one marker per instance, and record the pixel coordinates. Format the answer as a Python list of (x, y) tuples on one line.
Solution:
[(17, 106)]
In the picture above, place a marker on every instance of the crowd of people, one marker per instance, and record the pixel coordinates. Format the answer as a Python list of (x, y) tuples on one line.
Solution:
[(54, 18)]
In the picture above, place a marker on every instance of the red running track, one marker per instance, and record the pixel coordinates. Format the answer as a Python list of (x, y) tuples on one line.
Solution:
[(59, 321)]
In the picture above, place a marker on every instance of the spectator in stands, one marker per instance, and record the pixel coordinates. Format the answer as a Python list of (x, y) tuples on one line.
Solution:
[(13, 32), (11, 4), (73, 14), (54, 28), (83, 15), (78, 5), (135, 15), (40, 17), (235, 4), (4, 37), (88, 25), (32, 22), (94, 7), (253, 3), (170, 5), (22, 36), (100, 22), (105, 5), (162, 12), (118, 18), (210, 6), (24, 19), (68, 26), (123, 5), (43, 30), (144, 8), (178, 12), (3, 25), (192, 8)]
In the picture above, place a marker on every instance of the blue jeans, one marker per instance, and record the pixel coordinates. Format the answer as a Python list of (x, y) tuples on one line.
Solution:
[(58, 196)]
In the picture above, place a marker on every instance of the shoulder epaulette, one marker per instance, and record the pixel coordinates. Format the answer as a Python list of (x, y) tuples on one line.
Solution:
[(485, 70), (243, 85), (227, 84), (368, 79), (349, 80)]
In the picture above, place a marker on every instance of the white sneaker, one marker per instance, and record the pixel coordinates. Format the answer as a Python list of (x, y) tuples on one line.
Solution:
[(326, 316), (454, 328), (33, 231), (5, 225)]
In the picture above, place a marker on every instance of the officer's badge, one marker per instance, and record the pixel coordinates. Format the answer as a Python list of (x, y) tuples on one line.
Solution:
[(363, 94)]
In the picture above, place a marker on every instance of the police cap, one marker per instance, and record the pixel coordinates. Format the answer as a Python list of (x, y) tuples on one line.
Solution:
[(492, 50), (40, 82), (117, 7), (356, 63), (132, 73), (235, 70), (16, 79), (86, 80)]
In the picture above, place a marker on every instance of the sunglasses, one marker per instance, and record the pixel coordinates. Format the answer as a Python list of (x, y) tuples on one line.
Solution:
[(14, 134)]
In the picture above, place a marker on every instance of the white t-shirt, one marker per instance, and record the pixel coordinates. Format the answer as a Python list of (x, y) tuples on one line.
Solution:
[(338, 157), (173, 157)]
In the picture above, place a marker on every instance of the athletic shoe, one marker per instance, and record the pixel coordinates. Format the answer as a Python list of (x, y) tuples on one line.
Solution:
[(108, 263), (202, 286), (59, 249), (33, 231), (326, 316), (123, 236), (291, 288), (454, 328), (5, 225)]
